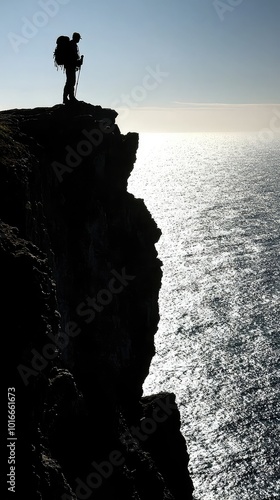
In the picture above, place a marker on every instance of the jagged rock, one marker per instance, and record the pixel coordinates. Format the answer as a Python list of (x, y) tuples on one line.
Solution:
[(81, 278)]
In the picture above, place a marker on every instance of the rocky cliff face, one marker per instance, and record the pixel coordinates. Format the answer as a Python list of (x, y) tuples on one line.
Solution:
[(80, 283)]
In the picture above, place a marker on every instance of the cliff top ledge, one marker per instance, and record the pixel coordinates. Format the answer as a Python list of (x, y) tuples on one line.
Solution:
[(61, 110), (72, 136)]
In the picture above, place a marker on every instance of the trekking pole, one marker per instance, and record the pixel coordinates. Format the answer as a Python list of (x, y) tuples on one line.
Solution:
[(77, 82), (82, 58)]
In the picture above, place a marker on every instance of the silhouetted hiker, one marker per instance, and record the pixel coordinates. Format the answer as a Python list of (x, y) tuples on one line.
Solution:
[(73, 63), (67, 57)]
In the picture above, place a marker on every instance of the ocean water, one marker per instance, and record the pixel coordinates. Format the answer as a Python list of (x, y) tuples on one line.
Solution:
[(216, 199)]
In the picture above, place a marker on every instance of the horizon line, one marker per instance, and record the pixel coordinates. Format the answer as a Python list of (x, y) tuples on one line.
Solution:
[(200, 105)]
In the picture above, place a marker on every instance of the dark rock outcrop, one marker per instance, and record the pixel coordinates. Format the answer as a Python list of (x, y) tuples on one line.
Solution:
[(80, 279)]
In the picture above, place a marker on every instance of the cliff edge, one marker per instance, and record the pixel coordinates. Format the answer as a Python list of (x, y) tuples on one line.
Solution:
[(80, 283)]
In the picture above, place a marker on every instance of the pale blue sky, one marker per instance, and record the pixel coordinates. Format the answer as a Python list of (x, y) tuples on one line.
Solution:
[(202, 51)]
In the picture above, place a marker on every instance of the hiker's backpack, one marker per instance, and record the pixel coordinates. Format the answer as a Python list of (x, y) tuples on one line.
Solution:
[(62, 51)]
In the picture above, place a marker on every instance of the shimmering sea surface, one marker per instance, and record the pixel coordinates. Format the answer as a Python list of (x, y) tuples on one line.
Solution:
[(216, 199)]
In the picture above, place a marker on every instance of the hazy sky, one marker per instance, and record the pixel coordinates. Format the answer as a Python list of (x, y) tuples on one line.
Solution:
[(163, 64)]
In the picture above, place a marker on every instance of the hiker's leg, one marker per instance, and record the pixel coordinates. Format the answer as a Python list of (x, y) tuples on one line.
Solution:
[(71, 83), (69, 88), (65, 94)]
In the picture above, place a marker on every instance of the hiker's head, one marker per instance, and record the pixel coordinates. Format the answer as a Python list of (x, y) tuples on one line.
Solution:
[(76, 37)]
